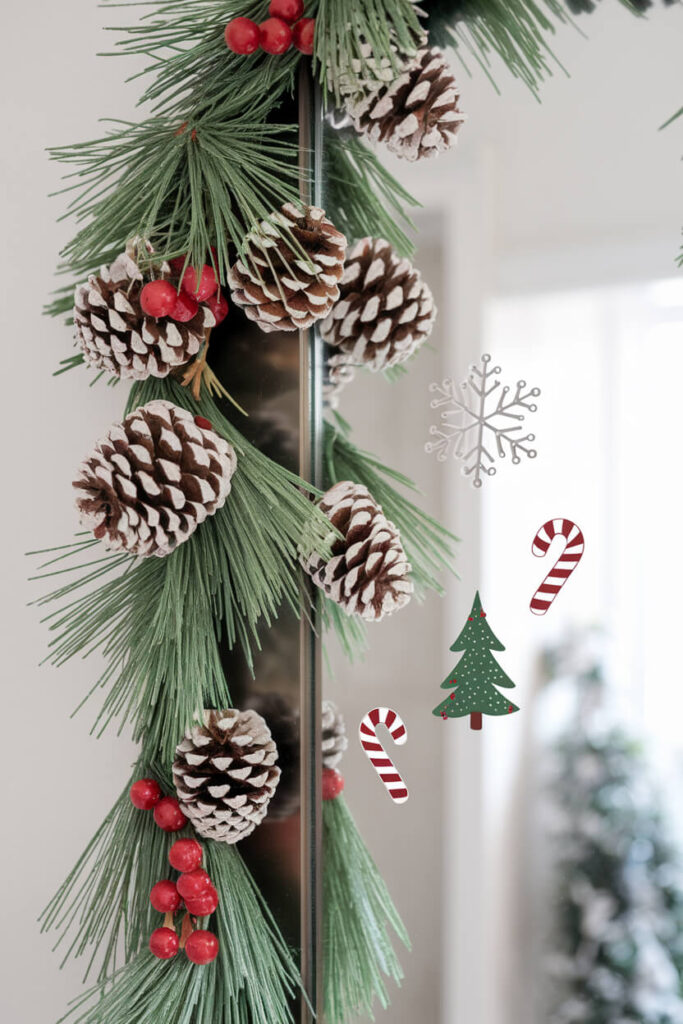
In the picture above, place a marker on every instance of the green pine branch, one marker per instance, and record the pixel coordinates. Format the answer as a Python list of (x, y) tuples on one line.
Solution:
[(185, 186), (253, 978), (362, 198), (158, 621), (102, 909), (516, 31), (358, 916)]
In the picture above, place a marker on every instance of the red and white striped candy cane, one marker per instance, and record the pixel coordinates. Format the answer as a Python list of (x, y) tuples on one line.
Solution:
[(384, 766), (564, 566)]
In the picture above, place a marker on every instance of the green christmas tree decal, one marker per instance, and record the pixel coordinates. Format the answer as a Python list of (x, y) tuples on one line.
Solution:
[(476, 676)]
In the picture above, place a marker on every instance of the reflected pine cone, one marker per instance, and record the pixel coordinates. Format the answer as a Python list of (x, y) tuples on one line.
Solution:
[(385, 310), (335, 741), (417, 114), (338, 373), (225, 774), (283, 722), (289, 276), (153, 479), (117, 336), (368, 571)]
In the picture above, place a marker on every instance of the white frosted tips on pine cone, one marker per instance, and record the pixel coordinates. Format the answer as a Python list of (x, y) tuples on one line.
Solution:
[(116, 335), (225, 774), (385, 310), (153, 479), (334, 738), (368, 572), (288, 277), (417, 114)]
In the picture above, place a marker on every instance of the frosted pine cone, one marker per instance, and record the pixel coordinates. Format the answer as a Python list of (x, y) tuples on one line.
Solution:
[(417, 114), (385, 310), (117, 336), (153, 479), (368, 571), (289, 276), (225, 774), (334, 741)]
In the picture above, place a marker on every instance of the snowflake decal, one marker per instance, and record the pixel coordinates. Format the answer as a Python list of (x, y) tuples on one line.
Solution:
[(482, 415)]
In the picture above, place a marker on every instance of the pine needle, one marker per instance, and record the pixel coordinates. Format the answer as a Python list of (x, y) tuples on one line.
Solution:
[(358, 914)]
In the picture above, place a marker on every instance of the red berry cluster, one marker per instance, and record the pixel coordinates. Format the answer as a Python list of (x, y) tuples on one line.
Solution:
[(145, 794), (181, 301), (193, 889), (285, 27)]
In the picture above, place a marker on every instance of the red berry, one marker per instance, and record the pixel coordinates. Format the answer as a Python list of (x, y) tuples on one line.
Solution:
[(145, 794), (333, 783), (186, 308), (242, 35), (186, 854), (168, 815), (203, 287), (158, 298), (177, 264), (204, 904), (193, 883), (218, 304), (275, 37), (203, 423), (164, 897), (288, 10), (164, 943), (201, 947), (303, 35)]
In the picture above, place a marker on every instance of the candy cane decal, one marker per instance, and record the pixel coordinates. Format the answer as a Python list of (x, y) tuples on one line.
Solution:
[(564, 566), (383, 765)]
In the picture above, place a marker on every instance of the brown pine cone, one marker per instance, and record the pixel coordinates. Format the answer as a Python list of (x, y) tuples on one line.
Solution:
[(115, 334), (385, 310), (289, 276), (367, 574), (225, 774), (153, 479), (334, 741), (417, 114)]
